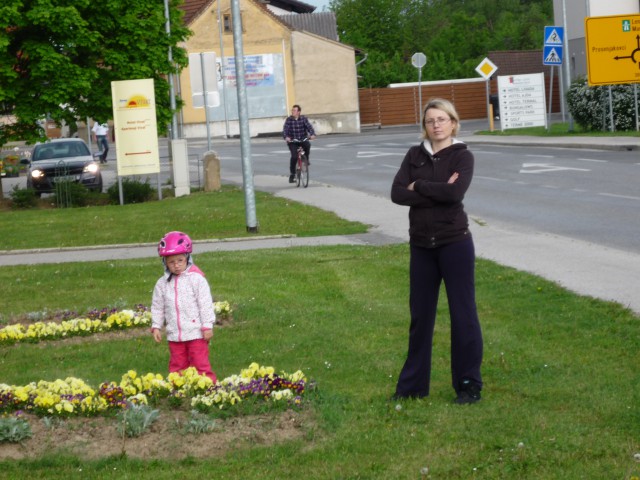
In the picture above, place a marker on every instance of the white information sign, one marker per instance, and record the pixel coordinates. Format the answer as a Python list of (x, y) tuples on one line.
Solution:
[(134, 121), (204, 78), (522, 101)]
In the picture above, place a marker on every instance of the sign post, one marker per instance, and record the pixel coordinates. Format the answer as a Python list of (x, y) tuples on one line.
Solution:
[(419, 60), (552, 55), (486, 68), (134, 122)]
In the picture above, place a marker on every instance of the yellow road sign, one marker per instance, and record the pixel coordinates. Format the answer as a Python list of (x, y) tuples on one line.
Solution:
[(486, 68), (613, 49)]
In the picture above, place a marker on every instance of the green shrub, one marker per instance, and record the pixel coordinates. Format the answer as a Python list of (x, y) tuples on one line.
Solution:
[(133, 191), (14, 429), (589, 106), (23, 197), (70, 194), (136, 419), (199, 423)]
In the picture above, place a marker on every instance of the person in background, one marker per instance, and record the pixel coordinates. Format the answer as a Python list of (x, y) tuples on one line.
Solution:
[(297, 127), (100, 133), (182, 303), (432, 181)]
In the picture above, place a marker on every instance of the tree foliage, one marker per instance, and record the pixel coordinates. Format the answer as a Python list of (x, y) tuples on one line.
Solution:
[(59, 57), (454, 34)]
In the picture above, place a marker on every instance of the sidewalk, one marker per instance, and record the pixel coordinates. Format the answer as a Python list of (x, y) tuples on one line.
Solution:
[(582, 267)]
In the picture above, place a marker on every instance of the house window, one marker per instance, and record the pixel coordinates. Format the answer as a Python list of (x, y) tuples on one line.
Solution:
[(227, 23)]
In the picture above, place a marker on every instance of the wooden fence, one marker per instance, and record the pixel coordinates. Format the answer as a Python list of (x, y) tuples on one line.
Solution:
[(400, 105)]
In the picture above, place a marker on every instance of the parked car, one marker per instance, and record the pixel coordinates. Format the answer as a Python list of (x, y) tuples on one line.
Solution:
[(62, 159)]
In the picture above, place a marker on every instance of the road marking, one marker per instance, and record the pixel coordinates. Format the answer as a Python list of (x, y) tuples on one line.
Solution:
[(626, 197), (375, 154), (490, 178), (547, 167), (395, 167), (592, 160), (475, 151)]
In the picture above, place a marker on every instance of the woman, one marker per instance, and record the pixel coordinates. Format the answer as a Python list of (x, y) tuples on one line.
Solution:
[(432, 181)]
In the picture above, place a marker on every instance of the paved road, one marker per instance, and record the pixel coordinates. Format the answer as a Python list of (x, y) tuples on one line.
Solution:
[(583, 267), (586, 194)]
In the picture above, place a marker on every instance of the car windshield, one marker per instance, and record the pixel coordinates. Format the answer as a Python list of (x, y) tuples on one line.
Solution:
[(60, 150)]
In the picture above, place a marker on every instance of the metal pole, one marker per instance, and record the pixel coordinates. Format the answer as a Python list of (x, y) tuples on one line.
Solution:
[(172, 95), (487, 101), (550, 98), (635, 102), (224, 76), (420, 97), (243, 119), (89, 135), (613, 127), (206, 101), (567, 78)]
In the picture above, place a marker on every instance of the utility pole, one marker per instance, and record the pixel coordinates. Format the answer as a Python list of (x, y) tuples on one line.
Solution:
[(243, 119)]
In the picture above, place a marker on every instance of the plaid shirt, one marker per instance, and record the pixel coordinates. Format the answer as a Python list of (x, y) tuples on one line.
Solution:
[(297, 129)]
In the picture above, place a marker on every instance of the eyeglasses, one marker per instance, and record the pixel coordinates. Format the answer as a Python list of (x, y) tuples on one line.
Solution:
[(436, 121)]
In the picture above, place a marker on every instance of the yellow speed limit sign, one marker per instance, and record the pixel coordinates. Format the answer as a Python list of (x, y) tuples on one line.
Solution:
[(613, 49)]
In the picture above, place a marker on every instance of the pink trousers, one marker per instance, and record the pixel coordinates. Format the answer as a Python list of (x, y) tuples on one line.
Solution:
[(194, 353)]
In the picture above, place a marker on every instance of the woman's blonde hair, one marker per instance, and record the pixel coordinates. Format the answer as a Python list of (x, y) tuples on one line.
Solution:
[(447, 107)]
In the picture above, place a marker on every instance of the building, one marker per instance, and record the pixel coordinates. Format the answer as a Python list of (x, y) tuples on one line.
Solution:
[(576, 12), (291, 56)]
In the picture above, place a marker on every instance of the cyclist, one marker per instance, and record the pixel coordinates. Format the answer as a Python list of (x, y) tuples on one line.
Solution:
[(297, 127)]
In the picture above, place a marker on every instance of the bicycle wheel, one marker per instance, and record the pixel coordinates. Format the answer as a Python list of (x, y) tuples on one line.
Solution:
[(298, 174), (304, 171)]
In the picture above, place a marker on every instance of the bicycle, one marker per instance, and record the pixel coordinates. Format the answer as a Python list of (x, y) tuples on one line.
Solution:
[(302, 167)]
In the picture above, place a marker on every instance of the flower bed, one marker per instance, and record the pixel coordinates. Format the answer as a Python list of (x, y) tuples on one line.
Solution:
[(73, 397), (96, 321)]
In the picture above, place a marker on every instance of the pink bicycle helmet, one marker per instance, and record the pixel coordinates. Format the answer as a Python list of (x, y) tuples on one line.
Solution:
[(174, 243)]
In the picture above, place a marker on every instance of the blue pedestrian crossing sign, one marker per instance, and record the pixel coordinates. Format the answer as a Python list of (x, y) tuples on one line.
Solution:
[(553, 45), (551, 55)]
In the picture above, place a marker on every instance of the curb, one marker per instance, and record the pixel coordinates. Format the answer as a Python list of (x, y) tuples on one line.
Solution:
[(137, 245)]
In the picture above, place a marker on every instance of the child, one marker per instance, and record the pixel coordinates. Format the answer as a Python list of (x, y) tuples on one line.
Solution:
[(182, 302)]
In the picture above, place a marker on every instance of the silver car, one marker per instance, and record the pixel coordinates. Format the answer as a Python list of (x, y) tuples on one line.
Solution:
[(64, 159)]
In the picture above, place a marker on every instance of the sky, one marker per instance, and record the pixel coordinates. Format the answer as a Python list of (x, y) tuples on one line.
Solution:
[(318, 3)]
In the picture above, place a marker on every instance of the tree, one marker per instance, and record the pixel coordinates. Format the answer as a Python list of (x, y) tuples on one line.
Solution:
[(59, 57), (454, 34)]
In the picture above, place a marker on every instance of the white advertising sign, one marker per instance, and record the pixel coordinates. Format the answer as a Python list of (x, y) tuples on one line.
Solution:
[(522, 101), (136, 131)]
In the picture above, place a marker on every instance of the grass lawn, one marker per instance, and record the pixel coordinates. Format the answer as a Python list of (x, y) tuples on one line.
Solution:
[(562, 391), (202, 215)]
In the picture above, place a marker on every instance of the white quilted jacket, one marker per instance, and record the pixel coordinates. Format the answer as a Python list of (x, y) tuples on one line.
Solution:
[(183, 304)]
